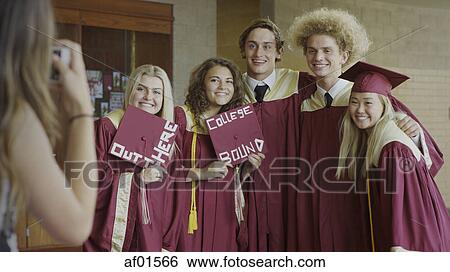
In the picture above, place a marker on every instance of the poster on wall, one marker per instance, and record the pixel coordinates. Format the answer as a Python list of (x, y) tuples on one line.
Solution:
[(94, 78), (124, 82), (116, 81), (116, 100), (104, 108), (107, 82)]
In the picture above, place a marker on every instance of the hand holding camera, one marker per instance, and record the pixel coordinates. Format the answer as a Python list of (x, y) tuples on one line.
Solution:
[(70, 79), (63, 53)]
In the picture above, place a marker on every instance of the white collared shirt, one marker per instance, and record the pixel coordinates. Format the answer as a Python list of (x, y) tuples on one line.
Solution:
[(335, 90), (269, 81)]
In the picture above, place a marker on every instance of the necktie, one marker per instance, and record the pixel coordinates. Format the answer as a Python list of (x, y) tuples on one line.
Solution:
[(328, 99), (260, 91)]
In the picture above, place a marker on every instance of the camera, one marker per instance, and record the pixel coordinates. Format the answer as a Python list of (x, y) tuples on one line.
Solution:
[(64, 54)]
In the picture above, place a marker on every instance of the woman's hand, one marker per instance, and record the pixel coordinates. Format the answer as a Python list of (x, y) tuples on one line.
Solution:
[(398, 249), (409, 126), (214, 170), (72, 87), (153, 173), (254, 162)]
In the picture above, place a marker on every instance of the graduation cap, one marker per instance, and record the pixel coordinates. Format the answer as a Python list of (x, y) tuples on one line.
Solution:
[(369, 78), (143, 138), (236, 134)]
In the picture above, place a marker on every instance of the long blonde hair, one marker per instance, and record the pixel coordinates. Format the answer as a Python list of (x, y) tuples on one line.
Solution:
[(25, 65), (356, 143), (167, 110)]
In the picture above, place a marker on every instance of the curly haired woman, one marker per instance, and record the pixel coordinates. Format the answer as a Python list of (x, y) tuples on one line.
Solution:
[(206, 197)]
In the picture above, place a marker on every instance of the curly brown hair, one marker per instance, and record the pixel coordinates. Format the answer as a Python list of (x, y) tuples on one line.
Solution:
[(265, 24), (196, 98)]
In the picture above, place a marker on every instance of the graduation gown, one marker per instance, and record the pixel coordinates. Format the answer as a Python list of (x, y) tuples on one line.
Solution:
[(407, 208), (217, 225), (330, 216), (118, 222), (268, 207)]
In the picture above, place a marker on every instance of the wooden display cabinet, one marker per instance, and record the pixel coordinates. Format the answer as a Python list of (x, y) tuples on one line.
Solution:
[(116, 36)]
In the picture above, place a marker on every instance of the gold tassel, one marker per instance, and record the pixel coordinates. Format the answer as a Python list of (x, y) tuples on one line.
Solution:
[(192, 224), (369, 202), (193, 212)]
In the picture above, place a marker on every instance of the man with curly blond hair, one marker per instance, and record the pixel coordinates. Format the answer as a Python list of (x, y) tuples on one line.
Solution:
[(331, 215), (330, 39)]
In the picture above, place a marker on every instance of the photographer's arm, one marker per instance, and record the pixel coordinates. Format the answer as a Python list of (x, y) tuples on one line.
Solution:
[(67, 211)]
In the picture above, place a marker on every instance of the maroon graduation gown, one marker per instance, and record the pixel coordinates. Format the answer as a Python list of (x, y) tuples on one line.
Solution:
[(270, 196), (138, 236), (329, 217), (216, 219), (411, 212)]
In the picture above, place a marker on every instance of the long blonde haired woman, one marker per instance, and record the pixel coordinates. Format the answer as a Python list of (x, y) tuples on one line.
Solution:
[(29, 174), (129, 213), (405, 208)]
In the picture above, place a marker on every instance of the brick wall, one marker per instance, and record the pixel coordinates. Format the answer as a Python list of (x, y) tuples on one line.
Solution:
[(194, 39), (385, 22), (427, 94), (232, 18)]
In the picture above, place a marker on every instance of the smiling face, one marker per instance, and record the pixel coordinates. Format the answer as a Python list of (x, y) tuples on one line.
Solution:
[(148, 94), (219, 86), (365, 109), (324, 56), (261, 53)]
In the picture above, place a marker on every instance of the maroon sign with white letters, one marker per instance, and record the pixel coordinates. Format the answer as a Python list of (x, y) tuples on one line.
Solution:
[(236, 134), (143, 138)]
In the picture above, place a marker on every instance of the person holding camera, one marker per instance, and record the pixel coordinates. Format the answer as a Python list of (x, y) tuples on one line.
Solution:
[(30, 128)]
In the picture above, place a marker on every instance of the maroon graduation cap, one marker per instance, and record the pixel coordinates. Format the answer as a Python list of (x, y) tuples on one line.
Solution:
[(236, 134), (369, 78), (143, 138)]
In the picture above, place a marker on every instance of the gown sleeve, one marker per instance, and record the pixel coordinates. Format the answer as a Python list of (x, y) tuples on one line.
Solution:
[(408, 210), (172, 217), (432, 149)]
